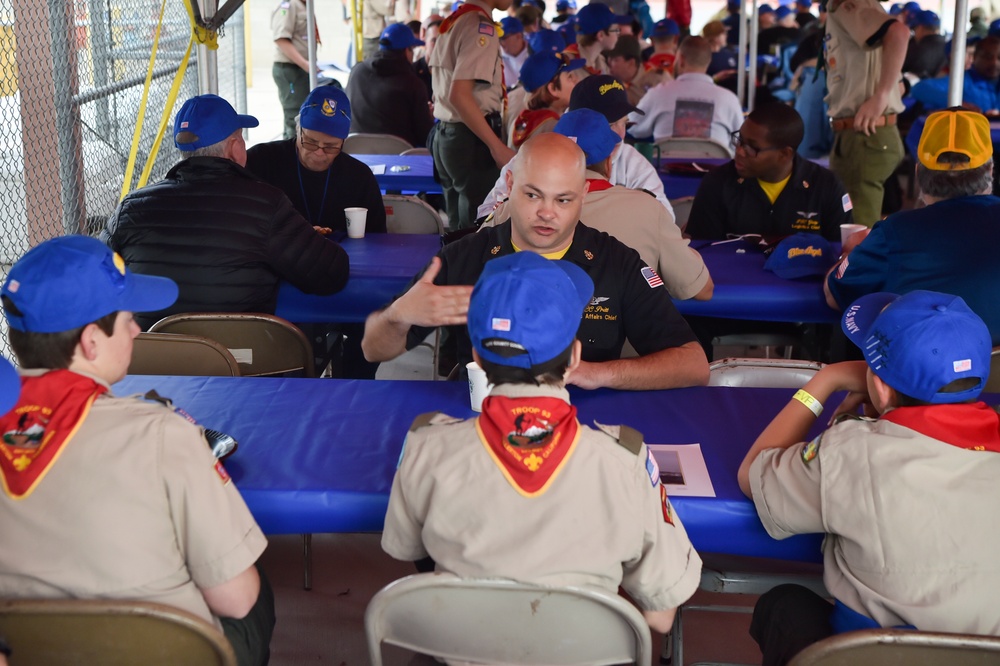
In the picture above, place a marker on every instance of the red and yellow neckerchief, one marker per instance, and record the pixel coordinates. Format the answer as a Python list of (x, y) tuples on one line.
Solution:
[(598, 184), (528, 121), (974, 426), (459, 13)]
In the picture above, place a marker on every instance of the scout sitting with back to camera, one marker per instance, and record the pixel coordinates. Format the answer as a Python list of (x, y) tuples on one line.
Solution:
[(525, 491), (908, 500)]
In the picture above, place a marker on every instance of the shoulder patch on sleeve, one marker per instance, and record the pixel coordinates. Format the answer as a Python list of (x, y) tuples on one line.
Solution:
[(628, 438), (651, 278), (432, 418), (811, 450)]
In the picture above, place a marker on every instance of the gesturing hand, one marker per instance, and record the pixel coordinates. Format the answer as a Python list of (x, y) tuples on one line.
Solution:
[(428, 304)]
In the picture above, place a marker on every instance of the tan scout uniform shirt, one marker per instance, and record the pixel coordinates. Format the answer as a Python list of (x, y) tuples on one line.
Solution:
[(132, 509), (638, 220), (912, 522), (854, 67), (600, 518), (470, 49), (376, 15), (289, 22)]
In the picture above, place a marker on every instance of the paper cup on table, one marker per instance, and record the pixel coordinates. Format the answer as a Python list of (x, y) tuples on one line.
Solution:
[(356, 219), (479, 387), (847, 230)]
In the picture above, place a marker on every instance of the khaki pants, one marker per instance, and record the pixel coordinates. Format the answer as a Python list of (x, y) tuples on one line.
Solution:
[(863, 164)]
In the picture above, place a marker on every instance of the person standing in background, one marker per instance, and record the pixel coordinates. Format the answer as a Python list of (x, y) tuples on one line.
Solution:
[(290, 70)]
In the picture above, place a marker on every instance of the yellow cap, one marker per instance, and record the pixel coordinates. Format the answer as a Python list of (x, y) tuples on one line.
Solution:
[(956, 131)]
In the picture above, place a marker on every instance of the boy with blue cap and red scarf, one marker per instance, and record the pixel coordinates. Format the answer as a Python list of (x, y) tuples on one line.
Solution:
[(525, 491), (907, 500)]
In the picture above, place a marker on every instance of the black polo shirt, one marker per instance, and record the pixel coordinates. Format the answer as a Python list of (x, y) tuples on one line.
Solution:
[(624, 306), (813, 201)]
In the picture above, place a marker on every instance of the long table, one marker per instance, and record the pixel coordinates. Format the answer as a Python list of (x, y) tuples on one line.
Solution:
[(413, 173), (744, 290), (381, 267), (319, 455)]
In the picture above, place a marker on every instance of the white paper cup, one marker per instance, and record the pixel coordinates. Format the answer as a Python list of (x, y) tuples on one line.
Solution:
[(479, 388), (847, 230), (356, 219)]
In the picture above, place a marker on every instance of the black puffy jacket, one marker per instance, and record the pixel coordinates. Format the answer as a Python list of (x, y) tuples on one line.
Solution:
[(224, 237)]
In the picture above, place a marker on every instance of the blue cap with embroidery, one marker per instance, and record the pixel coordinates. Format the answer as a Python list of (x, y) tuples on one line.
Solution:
[(71, 281), (589, 130), (665, 28), (397, 37), (593, 18), (542, 67), (511, 25), (525, 310), (920, 342), (209, 119), (10, 386), (800, 255), (327, 110)]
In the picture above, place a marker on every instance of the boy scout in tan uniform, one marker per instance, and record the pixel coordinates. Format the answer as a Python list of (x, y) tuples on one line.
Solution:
[(376, 16), (865, 49), (467, 78), (907, 500), (525, 491), (290, 70)]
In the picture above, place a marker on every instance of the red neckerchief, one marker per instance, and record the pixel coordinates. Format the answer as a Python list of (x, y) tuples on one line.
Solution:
[(661, 61), (974, 426), (33, 434), (528, 121), (598, 184), (530, 439), (459, 13)]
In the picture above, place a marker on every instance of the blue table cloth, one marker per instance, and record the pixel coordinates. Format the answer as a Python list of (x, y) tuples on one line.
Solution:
[(417, 174), (319, 455)]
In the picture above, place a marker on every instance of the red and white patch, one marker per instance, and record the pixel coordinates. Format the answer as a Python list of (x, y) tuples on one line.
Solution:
[(842, 268), (651, 278), (845, 201), (500, 324), (962, 366), (223, 474), (668, 511)]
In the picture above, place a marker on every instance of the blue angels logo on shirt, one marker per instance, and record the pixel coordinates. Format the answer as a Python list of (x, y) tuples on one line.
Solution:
[(329, 107)]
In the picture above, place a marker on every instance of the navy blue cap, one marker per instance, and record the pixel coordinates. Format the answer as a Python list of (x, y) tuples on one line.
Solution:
[(397, 37), (920, 342), (10, 386), (511, 25), (765, 9), (568, 30), (211, 119), (604, 94), (665, 28), (71, 281), (327, 110), (896, 9), (591, 131), (927, 19), (800, 255), (912, 7), (546, 41), (783, 11), (540, 68), (525, 309), (563, 5), (593, 18)]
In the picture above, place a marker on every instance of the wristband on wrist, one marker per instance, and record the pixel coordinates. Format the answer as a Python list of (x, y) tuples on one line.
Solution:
[(814, 405)]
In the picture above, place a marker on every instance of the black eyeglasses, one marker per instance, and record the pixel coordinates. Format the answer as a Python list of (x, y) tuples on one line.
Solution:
[(313, 146), (751, 151)]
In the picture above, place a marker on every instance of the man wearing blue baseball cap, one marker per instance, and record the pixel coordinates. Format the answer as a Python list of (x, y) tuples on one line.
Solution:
[(597, 31), (223, 236), (386, 95), (665, 38), (548, 186), (513, 49), (548, 80), (907, 499), (925, 55), (564, 9), (528, 455), (107, 497)]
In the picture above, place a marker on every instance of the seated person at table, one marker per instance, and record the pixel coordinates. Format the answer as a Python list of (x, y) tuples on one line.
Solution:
[(602, 486), (548, 81), (224, 237), (632, 216), (319, 179), (769, 189), (907, 500), (114, 498), (981, 89), (950, 244), (548, 186)]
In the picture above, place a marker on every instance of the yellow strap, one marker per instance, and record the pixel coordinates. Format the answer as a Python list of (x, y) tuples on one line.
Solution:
[(165, 118)]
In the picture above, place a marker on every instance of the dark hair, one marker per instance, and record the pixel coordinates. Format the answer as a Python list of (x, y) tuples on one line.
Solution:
[(957, 386), (959, 183), (554, 373), (782, 122), (49, 350), (542, 98), (414, 27)]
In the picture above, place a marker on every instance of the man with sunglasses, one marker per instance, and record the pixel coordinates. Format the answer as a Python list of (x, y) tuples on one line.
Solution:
[(768, 188), (312, 170)]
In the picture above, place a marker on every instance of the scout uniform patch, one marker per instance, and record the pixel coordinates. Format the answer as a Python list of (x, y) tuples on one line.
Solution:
[(668, 511), (810, 450)]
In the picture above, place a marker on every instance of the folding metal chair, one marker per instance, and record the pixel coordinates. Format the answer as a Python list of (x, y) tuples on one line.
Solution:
[(409, 215), (876, 647), (176, 354), (678, 146), (361, 143), (762, 372)]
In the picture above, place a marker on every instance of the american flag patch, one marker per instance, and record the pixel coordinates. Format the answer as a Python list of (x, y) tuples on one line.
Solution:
[(845, 201), (842, 268), (651, 278), (499, 324), (963, 365), (486, 29), (184, 124)]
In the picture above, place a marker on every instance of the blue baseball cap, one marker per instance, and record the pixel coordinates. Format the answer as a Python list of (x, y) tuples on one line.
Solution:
[(568, 31), (591, 131), (927, 19), (210, 119), (800, 255), (665, 28), (563, 5), (546, 41), (397, 37), (604, 94), (593, 18), (10, 385), (783, 11), (71, 281), (540, 68), (511, 25), (896, 9), (912, 7), (327, 110), (920, 342), (765, 9), (525, 310)]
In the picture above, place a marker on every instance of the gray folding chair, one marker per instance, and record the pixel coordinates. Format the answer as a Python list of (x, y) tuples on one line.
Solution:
[(176, 354), (682, 211), (409, 215), (82, 632), (677, 146), (762, 372), (502, 621), (877, 647), (419, 150), (361, 143)]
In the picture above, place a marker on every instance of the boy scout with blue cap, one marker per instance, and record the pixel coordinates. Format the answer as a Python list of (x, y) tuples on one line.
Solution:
[(907, 500), (597, 513), (107, 497)]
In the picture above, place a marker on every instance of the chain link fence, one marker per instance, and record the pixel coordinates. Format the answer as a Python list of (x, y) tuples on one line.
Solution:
[(71, 84)]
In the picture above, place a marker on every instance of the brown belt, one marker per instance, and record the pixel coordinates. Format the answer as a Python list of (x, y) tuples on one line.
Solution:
[(841, 124)]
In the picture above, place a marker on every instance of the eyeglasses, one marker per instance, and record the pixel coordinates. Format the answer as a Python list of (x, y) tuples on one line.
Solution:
[(313, 146), (614, 31), (751, 151)]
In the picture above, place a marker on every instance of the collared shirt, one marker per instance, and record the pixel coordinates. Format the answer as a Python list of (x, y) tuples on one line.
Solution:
[(691, 105), (812, 201), (289, 22), (469, 50)]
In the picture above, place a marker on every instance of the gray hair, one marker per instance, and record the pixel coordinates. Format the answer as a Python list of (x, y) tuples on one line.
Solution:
[(954, 184)]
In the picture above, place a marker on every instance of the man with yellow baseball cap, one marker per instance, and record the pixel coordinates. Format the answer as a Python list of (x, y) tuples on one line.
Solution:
[(949, 245)]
